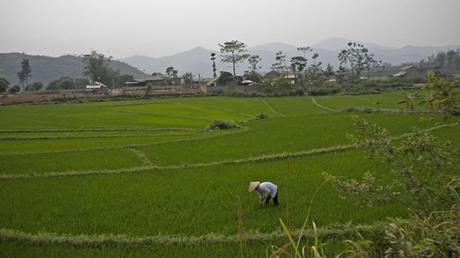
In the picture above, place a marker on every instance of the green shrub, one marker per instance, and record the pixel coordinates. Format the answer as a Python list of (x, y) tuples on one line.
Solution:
[(34, 86), (222, 125), (15, 89), (261, 116)]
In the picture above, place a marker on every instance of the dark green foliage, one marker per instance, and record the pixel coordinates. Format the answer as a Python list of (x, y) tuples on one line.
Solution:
[(97, 67), (34, 86), (358, 57), (324, 89), (25, 72), (233, 52), (314, 73), (280, 63), (171, 72), (221, 125), (80, 83), (188, 78), (277, 86), (66, 83), (4, 84), (298, 63), (14, 89), (62, 83), (446, 60), (329, 72), (254, 61), (225, 78), (261, 116), (213, 59), (253, 76)]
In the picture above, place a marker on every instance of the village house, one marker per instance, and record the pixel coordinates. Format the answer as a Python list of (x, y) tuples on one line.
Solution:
[(413, 72), (156, 79)]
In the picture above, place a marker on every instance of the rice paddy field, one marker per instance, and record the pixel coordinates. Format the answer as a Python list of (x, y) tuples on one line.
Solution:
[(144, 178)]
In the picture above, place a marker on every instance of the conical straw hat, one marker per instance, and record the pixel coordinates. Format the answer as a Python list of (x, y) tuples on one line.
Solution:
[(253, 185)]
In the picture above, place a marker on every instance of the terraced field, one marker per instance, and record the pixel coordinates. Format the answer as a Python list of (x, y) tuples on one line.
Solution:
[(146, 179)]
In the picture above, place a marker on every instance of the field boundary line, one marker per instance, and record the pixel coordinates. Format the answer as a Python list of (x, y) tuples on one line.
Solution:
[(313, 100), (272, 109), (141, 156), (99, 240), (279, 156), (394, 110), (205, 106), (70, 137), (263, 158), (96, 129), (205, 118), (225, 110), (124, 146)]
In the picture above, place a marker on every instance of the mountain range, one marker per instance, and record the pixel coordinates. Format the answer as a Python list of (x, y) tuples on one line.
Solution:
[(46, 69), (197, 60)]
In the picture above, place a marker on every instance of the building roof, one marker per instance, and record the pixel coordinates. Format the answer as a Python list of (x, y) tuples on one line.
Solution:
[(273, 73), (289, 76), (96, 85), (248, 82), (407, 67), (399, 74), (153, 77), (156, 77)]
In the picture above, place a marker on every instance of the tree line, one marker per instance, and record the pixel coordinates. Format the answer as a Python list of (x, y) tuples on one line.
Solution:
[(445, 60), (306, 67)]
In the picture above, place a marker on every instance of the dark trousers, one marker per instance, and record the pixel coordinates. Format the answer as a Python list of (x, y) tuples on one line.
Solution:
[(275, 200)]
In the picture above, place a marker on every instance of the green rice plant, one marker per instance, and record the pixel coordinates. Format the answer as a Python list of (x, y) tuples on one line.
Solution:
[(154, 204), (294, 106), (136, 178), (276, 135), (72, 161)]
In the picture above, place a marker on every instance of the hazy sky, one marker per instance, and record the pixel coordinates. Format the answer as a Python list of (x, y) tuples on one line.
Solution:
[(158, 28)]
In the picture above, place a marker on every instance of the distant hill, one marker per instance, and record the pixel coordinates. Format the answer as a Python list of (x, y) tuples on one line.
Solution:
[(46, 69), (197, 60)]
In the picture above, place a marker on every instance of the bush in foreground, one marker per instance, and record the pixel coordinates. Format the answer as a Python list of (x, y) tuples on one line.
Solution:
[(421, 166)]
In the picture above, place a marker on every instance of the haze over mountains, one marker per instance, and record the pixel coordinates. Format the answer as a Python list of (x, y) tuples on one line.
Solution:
[(197, 60)]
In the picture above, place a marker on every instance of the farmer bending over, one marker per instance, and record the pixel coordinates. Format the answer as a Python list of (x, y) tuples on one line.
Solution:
[(266, 191)]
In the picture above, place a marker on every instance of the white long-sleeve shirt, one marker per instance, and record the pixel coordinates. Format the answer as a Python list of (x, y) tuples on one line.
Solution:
[(267, 188)]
